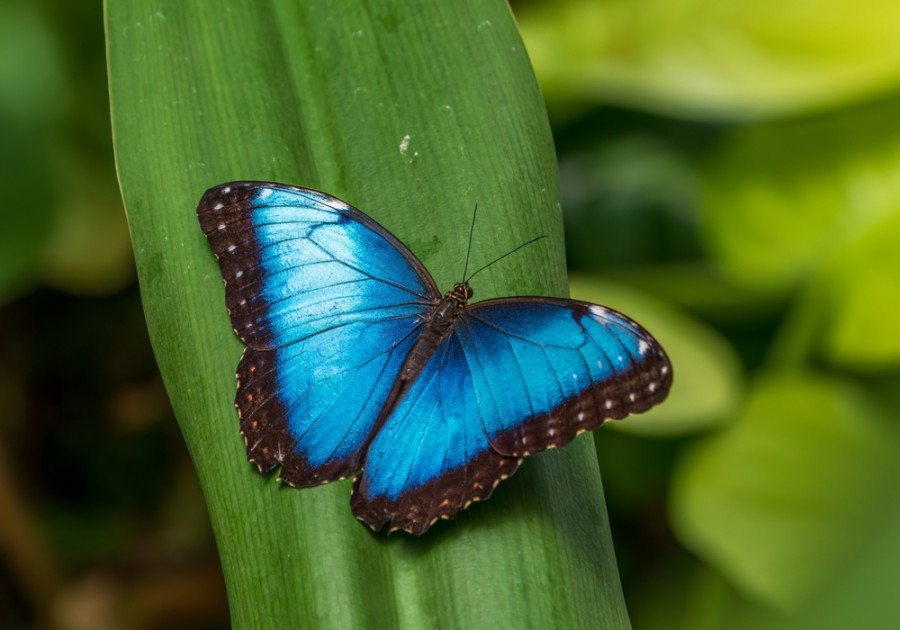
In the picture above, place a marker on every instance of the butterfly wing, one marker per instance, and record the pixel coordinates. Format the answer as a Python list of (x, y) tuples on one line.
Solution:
[(545, 370), (328, 303), (431, 458), (516, 377)]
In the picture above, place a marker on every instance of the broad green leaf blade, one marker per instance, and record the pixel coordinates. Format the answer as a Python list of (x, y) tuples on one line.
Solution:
[(736, 59), (413, 112), (782, 499)]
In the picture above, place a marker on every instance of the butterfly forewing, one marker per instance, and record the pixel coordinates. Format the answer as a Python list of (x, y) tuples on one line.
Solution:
[(328, 303), (545, 370)]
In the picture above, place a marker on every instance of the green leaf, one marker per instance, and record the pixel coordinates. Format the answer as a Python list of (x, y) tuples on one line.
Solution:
[(688, 594), (708, 383), (863, 289), (781, 199), (844, 315), (413, 112), (782, 499), (734, 59)]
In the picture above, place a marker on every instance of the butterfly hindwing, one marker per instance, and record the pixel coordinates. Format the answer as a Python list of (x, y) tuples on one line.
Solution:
[(328, 303), (431, 458)]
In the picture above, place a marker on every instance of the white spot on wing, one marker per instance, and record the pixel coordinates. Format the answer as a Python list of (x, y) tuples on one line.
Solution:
[(598, 311), (226, 190), (643, 346), (265, 192), (219, 206)]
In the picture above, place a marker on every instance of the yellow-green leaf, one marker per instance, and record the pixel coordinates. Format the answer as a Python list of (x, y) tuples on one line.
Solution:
[(735, 59), (780, 501)]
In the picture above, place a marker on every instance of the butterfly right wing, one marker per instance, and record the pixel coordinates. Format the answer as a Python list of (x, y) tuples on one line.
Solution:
[(329, 303), (545, 369), (517, 376)]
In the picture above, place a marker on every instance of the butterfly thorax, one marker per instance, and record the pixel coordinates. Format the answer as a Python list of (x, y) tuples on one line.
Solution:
[(438, 324), (444, 316)]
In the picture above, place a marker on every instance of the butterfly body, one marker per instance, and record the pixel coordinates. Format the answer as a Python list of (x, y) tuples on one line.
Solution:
[(439, 322), (357, 366)]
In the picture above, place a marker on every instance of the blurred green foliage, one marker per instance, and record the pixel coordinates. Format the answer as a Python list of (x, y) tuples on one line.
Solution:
[(729, 178), (739, 163), (65, 225), (102, 524)]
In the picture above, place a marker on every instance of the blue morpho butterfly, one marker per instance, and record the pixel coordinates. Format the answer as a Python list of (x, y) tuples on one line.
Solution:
[(356, 365)]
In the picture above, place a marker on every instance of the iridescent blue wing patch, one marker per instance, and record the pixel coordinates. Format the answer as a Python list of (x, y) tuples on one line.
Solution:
[(328, 304), (356, 365)]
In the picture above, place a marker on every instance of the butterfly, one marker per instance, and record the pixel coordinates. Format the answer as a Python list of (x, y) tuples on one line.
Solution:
[(356, 365)]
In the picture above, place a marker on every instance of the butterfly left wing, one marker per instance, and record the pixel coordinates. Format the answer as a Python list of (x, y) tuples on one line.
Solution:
[(516, 377), (328, 303)]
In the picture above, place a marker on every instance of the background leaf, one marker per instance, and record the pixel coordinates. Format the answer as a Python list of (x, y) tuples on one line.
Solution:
[(780, 199), (867, 272), (770, 500), (738, 59)]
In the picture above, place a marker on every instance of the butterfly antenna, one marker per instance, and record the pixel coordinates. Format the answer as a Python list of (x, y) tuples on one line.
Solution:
[(537, 238), (471, 232)]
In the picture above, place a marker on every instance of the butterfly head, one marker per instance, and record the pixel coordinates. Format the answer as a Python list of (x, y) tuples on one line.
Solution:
[(461, 292)]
